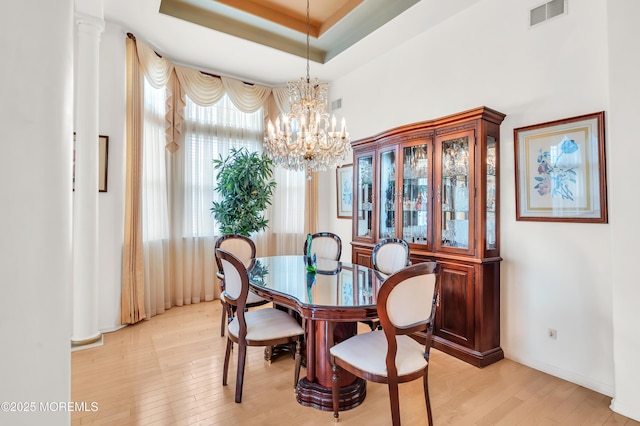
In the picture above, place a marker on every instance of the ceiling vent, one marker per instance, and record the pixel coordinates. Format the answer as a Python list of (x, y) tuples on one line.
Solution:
[(547, 11)]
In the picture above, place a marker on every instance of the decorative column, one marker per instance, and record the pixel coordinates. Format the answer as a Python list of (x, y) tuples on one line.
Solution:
[(85, 199)]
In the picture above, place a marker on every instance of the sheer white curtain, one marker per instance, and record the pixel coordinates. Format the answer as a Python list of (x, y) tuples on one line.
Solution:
[(179, 230), (155, 213), (286, 213)]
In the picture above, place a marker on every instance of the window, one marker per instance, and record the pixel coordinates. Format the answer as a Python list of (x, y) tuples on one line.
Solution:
[(210, 132), (178, 188)]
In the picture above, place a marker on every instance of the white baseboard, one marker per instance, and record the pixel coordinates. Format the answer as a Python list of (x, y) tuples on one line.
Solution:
[(114, 328), (570, 376), (633, 412)]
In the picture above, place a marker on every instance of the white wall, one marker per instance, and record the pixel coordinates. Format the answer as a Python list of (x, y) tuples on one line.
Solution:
[(554, 275), (36, 115), (328, 217), (624, 151)]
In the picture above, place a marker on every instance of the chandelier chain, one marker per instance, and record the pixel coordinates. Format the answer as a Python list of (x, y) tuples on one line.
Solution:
[(306, 137), (308, 30)]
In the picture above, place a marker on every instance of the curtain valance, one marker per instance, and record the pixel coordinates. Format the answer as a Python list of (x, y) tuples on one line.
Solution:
[(205, 89), (157, 69)]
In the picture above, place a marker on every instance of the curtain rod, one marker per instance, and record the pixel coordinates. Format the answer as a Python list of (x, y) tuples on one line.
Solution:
[(133, 37)]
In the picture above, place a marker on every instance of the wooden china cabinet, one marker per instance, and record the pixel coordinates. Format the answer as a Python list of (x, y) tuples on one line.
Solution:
[(436, 185)]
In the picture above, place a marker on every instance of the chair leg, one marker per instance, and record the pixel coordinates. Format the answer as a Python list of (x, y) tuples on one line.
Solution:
[(298, 364), (230, 314), (225, 369), (395, 403), (242, 356), (426, 396), (335, 391), (224, 318)]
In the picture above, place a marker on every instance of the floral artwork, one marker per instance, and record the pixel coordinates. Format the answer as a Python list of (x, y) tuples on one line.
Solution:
[(560, 170), (347, 192), (344, 189), (556, 179)]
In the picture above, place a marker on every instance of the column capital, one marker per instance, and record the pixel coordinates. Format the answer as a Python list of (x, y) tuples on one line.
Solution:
[(89, 24)]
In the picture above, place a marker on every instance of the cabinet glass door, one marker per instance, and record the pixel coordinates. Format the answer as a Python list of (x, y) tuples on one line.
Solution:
[(455, 196), (364, 194), (415, 172), (387, 204), (491, 194)]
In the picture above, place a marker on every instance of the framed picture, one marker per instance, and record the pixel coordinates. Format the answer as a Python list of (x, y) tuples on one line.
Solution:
[(344, 190), (103, 157), (560, 170)]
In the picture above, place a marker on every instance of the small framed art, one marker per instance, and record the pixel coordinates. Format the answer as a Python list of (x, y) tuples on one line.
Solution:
[(103, 162), (344, 190)]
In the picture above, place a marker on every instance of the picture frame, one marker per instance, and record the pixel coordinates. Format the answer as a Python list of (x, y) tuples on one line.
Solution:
[(560, 170), (103, 162), (344, 191)]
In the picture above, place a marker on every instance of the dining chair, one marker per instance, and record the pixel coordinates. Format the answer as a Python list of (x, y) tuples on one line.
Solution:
[(390, 255), (406, 304), (244, 249), (258, 327), (325, 245)]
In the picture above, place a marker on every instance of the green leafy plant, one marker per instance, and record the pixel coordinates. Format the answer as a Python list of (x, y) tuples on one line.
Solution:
[(244, 181)]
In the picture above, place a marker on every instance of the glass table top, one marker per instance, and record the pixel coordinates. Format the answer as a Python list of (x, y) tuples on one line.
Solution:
[(334, 284)]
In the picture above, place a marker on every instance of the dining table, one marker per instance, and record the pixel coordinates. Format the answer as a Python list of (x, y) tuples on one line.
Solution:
[(330, 301)]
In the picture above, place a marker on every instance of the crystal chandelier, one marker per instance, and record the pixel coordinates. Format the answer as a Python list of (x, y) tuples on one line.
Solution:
[(306, 137)]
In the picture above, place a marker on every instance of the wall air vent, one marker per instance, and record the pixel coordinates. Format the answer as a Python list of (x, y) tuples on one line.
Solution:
[(547, 11), (337, 104)]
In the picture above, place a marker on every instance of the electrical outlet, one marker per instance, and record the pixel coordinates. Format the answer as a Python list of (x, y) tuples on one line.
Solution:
[(552, 333)]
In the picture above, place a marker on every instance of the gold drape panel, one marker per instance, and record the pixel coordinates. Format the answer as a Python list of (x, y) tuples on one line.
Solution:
[(132, 297)]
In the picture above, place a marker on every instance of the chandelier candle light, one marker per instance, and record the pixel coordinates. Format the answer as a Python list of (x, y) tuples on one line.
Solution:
[(306, 138)]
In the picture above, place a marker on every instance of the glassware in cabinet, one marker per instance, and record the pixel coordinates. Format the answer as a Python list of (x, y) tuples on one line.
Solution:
[(387, 196), (415, 193), (491, 194), (364, 193), (454, 192)]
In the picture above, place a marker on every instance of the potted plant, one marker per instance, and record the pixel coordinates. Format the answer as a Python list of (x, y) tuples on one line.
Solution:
[(245, 183)]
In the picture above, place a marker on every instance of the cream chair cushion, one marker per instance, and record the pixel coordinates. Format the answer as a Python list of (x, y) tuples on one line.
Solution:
[(325, 248), (251, 298), (406, 303), (391, 257), (267, 324), (239, 248), (368, 352)]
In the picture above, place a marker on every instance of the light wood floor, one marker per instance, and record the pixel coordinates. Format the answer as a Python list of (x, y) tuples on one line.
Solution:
[(167, 371)]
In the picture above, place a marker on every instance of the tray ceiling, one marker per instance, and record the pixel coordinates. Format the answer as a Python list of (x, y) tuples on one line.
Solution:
[(335, 25)]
